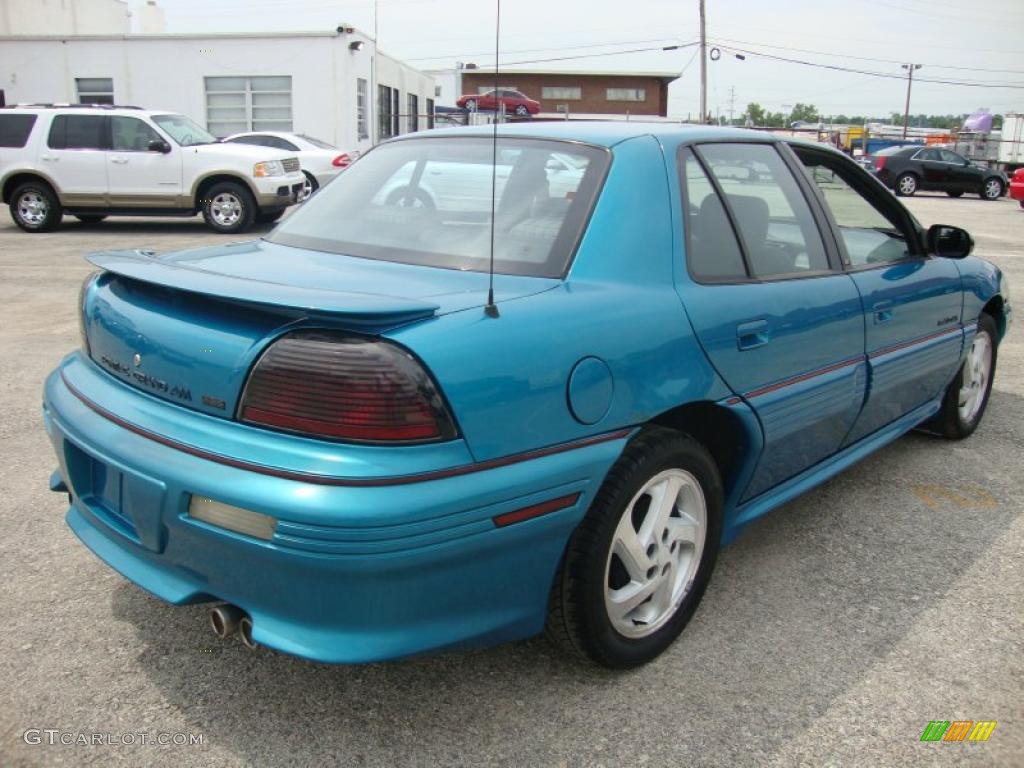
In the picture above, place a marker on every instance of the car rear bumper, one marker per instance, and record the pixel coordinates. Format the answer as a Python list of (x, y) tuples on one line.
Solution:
[(352, 573)]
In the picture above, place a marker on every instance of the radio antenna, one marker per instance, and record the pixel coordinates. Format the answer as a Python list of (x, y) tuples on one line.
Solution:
[(491, 309)]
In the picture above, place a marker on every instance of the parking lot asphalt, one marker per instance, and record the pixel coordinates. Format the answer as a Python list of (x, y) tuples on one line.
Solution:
[(834, 629)]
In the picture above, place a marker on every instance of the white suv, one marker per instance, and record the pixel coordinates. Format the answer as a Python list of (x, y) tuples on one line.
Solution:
[(93, 162)]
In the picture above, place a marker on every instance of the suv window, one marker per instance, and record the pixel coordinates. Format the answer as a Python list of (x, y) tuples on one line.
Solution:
[(129, 134), (869, 235), (78, 132), (712, 252), (951, 157), (776, 227), (931, 155), (14, 129)]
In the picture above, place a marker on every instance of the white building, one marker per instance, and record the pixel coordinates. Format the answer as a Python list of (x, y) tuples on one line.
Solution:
[(64, 17), (317, 83)]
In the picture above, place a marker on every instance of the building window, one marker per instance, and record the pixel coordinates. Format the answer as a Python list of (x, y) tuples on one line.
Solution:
[(430, 113), (384, 112), (95, 90), (362, 129), (561, 92), (395, 128), (627, 94), (413, 121), (236, 104)]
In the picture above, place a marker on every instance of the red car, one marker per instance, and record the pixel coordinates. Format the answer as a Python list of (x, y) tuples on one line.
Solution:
[(1017, 186), (515, 102)]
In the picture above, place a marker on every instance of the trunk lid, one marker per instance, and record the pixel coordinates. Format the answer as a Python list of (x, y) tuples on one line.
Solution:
[(188, 326)]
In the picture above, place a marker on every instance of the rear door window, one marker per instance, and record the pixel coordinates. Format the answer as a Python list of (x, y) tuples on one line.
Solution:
[(78, 132), (712, 251), (129, 134), (15, 129), (777, 230)]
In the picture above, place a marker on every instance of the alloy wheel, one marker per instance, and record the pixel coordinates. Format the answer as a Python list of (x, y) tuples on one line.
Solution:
[(993, 189), (908, 185), (226, 209), (33, 208), (976, 372), (655, 553)]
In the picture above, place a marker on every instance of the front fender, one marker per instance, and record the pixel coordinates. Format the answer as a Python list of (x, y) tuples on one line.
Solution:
[(983, 281)]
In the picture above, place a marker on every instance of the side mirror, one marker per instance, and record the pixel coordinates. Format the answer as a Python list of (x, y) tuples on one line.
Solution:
[(159, 145), (949, 242)]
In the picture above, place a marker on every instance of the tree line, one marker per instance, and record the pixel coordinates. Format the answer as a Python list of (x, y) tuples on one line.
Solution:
[(757, 115)]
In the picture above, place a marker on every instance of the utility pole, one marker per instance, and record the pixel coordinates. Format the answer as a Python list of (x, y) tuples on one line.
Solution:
[(703, 67), (910, 81), (732, 101)]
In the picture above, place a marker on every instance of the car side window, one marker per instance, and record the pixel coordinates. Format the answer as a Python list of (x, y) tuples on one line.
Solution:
[(869, 234), (951, 157), (77, 132), (712, 252), (278, 143), (777, 230), (129, 134), (931, 155)]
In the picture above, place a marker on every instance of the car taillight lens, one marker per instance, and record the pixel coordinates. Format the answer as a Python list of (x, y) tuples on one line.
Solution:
[(879, 163), (345, 387), (341, 161)]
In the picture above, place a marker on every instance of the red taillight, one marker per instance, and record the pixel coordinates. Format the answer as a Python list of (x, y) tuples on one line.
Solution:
[(344, 387), (880, 163), (341, 161)]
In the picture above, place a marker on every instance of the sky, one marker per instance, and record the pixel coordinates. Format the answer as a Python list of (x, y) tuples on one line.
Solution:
[(979, 42)]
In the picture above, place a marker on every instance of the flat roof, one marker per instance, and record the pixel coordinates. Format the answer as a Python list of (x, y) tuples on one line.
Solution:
[(570, 72)]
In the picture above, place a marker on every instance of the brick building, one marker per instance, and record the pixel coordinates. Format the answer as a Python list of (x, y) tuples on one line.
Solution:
[(592, 93)]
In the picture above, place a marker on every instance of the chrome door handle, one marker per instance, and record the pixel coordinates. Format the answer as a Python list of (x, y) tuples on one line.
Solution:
[(49, 158), (119, 160)]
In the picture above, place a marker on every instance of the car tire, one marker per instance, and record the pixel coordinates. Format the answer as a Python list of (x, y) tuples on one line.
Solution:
[(522, 111), (965, 401), (228, 207), (582, 616), (90, 218), (35, 207), (992, 189), (955, 193), (906, 185), (470, 104), (269, 217), (311, 185), (407, 197)]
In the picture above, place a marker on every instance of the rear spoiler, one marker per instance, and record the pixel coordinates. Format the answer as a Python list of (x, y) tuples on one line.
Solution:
[(367, 309)]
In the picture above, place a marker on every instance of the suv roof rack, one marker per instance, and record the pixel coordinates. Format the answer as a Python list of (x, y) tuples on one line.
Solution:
[(70, 106)]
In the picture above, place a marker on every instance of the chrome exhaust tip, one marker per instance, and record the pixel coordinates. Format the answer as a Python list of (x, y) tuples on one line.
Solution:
[(224, 619), (245, 632)]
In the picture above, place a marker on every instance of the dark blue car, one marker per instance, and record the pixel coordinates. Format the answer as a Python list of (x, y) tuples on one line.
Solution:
[(332, 434)]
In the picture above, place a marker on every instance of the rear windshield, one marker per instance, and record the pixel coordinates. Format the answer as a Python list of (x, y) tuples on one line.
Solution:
[(14, 129), (428, 201)]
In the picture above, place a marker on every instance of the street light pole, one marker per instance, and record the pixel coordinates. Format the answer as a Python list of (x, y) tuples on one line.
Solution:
[(703, 67), (910, 81)]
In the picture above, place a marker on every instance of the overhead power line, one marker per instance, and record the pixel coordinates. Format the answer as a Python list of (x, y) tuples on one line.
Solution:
[(549, 48), (887, 75)]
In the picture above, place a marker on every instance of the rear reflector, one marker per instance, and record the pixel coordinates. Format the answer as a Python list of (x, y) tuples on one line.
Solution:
[(341, 161), (345, 387), (544, 508), (235, 519)]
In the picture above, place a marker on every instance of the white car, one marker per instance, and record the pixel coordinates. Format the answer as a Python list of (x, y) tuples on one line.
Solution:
[(320, 161), (98, 161)]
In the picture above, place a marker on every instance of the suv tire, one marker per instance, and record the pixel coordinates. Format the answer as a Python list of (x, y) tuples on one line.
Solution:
[(35, 207), (228, 207)]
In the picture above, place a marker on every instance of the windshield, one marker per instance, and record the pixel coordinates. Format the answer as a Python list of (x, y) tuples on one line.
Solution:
[(315, 142), (184, 131), (428, 201)]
